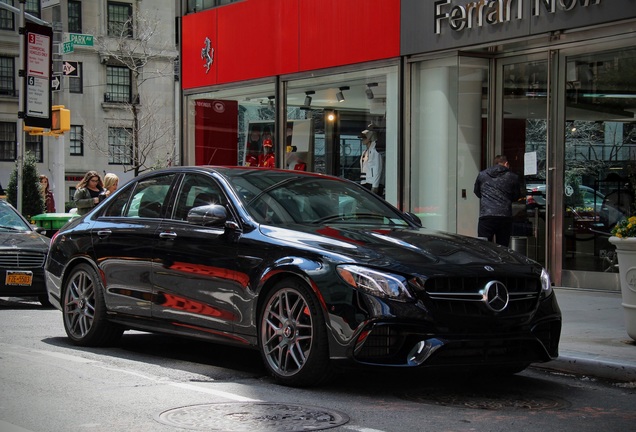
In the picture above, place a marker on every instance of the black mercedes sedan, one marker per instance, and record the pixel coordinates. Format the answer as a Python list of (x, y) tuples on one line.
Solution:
[(311, 270), (22, 256)]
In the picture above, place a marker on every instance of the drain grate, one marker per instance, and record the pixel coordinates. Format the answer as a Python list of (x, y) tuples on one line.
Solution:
[(243, 416), (487, 400)]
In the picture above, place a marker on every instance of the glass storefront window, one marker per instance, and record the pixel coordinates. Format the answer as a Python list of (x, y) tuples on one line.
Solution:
[(230, 126), (600, 156), (325, 118)]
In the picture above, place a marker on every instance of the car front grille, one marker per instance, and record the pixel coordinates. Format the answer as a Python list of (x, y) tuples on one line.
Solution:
[(453, 300), (22, 260)]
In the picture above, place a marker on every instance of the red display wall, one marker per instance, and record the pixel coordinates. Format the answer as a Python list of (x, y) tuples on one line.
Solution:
[(262, 38), (215, 132)]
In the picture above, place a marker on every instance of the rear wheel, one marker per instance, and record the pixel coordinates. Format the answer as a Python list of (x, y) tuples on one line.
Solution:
[(293, 336), (84, 309)]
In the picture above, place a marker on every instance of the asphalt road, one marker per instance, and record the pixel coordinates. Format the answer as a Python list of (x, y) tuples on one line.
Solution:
[(157, 383)]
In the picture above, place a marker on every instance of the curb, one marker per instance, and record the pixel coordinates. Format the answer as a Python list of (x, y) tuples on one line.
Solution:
[(605, 369)]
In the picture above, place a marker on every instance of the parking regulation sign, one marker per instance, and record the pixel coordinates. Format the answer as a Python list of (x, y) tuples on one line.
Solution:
[(37, 91)]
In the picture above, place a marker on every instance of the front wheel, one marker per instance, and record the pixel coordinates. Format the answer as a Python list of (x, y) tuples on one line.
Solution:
[(292, 336), (84, 309)]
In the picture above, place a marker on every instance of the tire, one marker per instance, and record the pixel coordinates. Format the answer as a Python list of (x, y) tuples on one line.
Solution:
[(84, 310), (293, 336)]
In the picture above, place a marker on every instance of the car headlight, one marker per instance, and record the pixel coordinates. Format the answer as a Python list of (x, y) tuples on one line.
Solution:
[(375, 282), (546, 284)]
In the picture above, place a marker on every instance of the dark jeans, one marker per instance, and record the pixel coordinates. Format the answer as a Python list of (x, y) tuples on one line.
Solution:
[(498, 227)]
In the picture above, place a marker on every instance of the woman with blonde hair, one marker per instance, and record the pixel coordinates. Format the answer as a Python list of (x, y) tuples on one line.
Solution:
[(87, 194), (47, 195), (111, 181)]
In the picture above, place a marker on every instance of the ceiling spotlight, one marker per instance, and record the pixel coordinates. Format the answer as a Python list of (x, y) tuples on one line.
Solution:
[(368, 91), (340, 95), (308, 97)]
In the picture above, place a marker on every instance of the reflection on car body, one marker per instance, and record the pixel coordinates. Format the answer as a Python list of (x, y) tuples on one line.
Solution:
[(310, 270)]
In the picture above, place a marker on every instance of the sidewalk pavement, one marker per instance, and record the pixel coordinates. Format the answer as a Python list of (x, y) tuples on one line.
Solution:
[(593, 337)]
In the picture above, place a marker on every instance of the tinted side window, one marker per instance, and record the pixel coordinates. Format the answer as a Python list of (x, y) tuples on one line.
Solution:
[(197, 190), (147, 199)]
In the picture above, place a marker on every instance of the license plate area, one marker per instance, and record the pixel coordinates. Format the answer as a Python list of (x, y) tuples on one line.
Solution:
[(18, 278)]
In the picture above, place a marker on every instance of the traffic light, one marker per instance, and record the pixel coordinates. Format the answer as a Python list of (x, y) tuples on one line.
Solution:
[(60, 119)]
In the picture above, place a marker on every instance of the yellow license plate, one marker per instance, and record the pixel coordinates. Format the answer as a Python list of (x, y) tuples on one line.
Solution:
[(22, 278)]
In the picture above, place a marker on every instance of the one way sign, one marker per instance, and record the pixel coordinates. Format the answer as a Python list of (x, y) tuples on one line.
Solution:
[(56, 84), (70, 69)]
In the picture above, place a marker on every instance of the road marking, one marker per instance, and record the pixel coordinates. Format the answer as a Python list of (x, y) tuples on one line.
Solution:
[(102, 365), (8, 427), (363, 429)]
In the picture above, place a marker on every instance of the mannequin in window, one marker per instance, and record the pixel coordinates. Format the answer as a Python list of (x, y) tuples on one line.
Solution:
[(370, 162), (268, 158)]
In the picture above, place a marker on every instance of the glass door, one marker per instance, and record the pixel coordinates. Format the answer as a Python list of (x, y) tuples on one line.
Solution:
[(521, 134)]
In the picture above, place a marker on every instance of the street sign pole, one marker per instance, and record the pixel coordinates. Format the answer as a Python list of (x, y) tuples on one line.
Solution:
[(21, 134)]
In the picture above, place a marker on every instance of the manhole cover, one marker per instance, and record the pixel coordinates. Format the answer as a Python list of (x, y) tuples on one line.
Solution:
[(488, 400), (243, 416)]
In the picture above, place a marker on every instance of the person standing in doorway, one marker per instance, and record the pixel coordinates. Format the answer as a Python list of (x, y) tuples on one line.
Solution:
[(370, 162), (497, 188), (87, 194)]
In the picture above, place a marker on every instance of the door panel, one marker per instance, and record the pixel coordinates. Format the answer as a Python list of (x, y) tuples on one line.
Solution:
[(124, 240), (195, 273), (523, 132)]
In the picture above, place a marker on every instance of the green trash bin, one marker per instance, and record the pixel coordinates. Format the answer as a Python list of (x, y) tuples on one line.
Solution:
[(52, 222)]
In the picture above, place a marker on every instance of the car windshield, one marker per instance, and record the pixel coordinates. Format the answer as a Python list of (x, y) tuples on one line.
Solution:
[(280, 198), (11, 221)]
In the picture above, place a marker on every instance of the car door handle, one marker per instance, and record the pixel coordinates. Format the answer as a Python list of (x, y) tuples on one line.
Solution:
[(104, 233), (168, 235)]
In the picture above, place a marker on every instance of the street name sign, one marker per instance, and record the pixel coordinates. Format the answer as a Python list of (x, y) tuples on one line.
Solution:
[(67, 47), (80, 39)]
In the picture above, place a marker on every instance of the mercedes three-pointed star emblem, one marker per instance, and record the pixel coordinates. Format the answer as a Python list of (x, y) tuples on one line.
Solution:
[(495, 296)]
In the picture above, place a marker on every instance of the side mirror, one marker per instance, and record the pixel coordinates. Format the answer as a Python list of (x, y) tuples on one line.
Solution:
[(208, 215), (40, 230), (414, 218)]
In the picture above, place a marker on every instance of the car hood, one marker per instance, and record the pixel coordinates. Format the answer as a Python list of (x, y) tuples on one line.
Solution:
[(25, 240), (402, 249)]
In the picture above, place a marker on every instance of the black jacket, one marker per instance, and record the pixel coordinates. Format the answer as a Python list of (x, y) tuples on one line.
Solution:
[(498, 188)]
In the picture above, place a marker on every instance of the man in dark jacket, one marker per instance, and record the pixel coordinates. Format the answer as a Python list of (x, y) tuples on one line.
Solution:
[(497, 187)]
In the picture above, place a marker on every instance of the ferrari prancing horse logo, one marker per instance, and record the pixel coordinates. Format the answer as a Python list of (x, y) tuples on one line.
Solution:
[(207, 54)]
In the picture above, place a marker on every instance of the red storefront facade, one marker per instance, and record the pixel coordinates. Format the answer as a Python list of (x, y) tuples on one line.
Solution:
[(445, 85)]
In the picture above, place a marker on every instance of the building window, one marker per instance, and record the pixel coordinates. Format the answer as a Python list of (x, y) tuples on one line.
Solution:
[(7, 76), (33, 145), (118, 87), (32, 7), (200, 5), (76, 135), (6, 17), (7, 141), (76, 84), (74, 16), (119, 146), (120, 20)]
